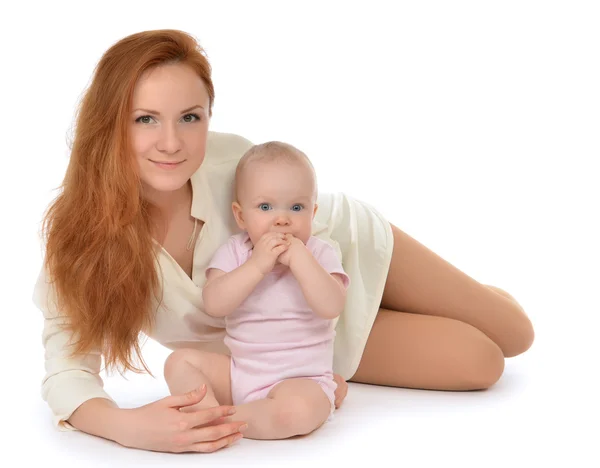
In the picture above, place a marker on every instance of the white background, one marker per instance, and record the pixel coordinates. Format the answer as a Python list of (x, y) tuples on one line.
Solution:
[(473, 126)]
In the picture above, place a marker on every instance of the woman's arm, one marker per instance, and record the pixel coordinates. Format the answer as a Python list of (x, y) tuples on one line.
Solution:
[(69, 380), (74, 391), (160, 426), (100, 417)]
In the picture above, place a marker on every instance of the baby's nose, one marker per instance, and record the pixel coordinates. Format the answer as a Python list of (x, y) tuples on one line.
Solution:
[(282, 220)]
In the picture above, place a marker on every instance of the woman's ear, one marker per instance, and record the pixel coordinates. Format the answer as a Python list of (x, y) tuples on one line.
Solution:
[(237, 214)]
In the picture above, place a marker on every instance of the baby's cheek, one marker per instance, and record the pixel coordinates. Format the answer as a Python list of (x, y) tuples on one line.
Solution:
[(306, 232)]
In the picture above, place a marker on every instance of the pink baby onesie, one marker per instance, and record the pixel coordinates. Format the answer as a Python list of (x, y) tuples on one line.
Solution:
[(274, 335)]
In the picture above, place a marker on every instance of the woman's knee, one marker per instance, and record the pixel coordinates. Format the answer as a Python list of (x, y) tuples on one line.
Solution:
[(523, 336), (482, 361), (522, 332)]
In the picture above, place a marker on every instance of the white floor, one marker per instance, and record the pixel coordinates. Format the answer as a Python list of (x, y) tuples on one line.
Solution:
[(544, 409)]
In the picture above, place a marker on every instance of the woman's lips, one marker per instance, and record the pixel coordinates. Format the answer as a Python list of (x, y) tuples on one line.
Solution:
[(166, 165)]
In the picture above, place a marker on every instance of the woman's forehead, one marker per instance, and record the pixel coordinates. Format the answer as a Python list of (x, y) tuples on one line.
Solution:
[(168, 86)]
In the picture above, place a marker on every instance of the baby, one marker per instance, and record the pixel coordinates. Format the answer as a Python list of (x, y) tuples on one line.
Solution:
[(279, 289)]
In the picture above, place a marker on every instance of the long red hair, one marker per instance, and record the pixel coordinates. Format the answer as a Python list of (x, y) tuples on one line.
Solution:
[(100, 254)]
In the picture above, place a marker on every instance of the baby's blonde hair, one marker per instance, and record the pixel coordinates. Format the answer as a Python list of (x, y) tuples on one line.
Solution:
[(271, 151)]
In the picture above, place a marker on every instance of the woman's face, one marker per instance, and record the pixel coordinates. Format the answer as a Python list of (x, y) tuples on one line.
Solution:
[(169, 126)]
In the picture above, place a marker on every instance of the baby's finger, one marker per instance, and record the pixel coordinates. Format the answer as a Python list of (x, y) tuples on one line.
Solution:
[(280, 249), (274, 234), (276, 241), (266, 237)]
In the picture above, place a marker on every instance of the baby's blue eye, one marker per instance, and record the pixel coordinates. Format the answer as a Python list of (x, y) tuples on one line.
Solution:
[(264, 207), (297, 207)]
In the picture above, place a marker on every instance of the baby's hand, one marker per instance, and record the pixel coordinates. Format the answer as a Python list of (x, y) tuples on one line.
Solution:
[(270, 246), (296, 248)]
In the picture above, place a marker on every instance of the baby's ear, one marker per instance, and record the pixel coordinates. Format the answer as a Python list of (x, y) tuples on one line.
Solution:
[(238, 215), (315, 210)]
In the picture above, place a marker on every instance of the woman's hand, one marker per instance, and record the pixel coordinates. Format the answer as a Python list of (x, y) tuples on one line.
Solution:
[(341, 391), (161, 426)]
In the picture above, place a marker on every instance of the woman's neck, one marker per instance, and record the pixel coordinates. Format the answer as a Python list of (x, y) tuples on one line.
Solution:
[(169, 203), (165, 207)]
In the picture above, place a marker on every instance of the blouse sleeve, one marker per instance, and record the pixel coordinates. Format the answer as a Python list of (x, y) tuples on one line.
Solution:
[(68, 381)]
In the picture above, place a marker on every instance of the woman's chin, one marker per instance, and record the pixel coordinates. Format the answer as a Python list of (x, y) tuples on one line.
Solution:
[(164, 185)]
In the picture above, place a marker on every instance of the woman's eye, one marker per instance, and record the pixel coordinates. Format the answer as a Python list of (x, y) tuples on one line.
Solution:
[(190, 118), (145, 119), (264, 206), (297, 208)]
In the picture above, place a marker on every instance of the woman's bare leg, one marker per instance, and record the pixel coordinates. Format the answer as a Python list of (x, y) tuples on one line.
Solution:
[(428, 352), (421, 282), (438, 328)]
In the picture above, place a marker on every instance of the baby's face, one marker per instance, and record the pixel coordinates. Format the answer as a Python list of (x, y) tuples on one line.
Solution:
[(276, 197)]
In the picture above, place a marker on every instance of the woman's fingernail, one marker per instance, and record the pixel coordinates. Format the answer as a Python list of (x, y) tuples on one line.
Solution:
[(231, 411), (243, 428), (235, 438)]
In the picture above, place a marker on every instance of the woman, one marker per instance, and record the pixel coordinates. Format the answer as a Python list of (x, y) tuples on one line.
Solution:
[(145, 203)]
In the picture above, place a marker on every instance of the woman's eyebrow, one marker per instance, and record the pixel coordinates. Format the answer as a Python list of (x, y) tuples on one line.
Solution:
[(149, 111)]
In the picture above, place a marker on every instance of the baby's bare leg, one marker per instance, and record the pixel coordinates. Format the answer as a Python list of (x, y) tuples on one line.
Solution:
[(187, 369), (293, 407)]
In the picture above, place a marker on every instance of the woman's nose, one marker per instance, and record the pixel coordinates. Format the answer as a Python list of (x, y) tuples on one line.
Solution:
[(169, 141)]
